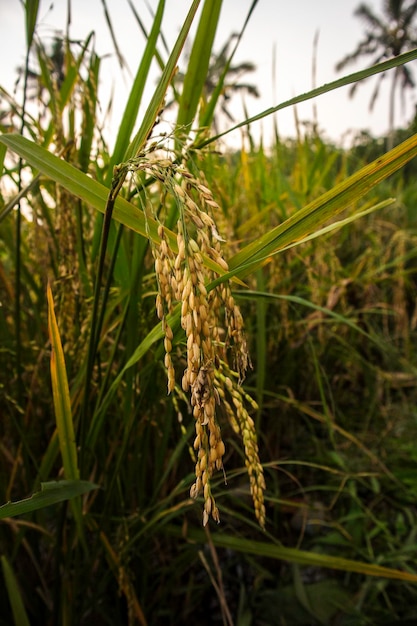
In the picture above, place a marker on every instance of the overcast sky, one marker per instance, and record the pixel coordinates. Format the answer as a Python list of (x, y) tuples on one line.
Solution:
[(287, 27)]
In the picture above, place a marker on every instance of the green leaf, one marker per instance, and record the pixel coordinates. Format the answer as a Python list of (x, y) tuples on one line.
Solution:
[(31, 9), (3, 151), (61, 395), (50, 493), (18, 608), (306, 221), (136, 93), (156, 103), (199, 62), (78, 183), (270, 550), (256, 296), (73, 72), (210, 107), (401, 59), (90, 191)]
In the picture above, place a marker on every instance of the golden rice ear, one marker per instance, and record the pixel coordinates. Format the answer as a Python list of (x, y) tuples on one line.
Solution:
[(243, 424), (212, 323)]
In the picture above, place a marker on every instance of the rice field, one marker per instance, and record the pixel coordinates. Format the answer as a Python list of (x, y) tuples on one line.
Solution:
[(207, 366)]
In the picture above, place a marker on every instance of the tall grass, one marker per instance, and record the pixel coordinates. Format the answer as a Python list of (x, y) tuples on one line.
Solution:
[(306, 462)]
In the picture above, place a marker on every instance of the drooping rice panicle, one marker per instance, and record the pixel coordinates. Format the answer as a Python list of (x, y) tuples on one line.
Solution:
[(212, 324)]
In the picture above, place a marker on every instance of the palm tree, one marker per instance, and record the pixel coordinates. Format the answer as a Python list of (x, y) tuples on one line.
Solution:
[(385, 37)]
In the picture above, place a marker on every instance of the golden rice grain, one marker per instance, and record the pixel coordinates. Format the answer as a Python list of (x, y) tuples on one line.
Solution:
[(213, 327)]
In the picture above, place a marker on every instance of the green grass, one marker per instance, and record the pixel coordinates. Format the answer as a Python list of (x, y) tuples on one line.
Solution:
[(97, 461)]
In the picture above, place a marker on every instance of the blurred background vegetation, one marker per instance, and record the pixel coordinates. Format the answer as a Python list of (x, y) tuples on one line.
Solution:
[(330, 310)]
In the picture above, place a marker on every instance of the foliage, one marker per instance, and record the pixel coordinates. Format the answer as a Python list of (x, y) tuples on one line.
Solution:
[(94, 247)]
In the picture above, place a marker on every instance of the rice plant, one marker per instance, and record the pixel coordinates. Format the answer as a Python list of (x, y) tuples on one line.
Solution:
[(207, 358)]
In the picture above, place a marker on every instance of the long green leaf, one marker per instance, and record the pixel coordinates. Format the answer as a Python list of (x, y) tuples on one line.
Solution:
[(199, 62), (15, 598), (136, 93), (61, 395), (31, 15), (78, 183), (157, 100), (309, 236), (308, 219), (293, 555), (401, 59), (255, 296), (90, 191), (209, 110), (73, 72), (50, 493)]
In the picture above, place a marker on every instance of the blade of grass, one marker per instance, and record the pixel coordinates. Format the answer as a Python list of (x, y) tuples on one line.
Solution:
[(90, 191), (341, 223), (157, 100), (401, 59), (145, 33), (198, 63), (63, 412), (293, 555), (340, 319), (31, 15), (328, 205), (210, 108), (135, 95), (109, 23), (305, 222), (61, 396), (50, 493), (15, 598)]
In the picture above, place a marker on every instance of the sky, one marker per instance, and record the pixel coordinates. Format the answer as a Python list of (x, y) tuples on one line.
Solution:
[(278, 29)]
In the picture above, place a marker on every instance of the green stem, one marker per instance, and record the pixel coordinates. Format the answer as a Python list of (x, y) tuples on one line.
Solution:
[(118, 180)]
